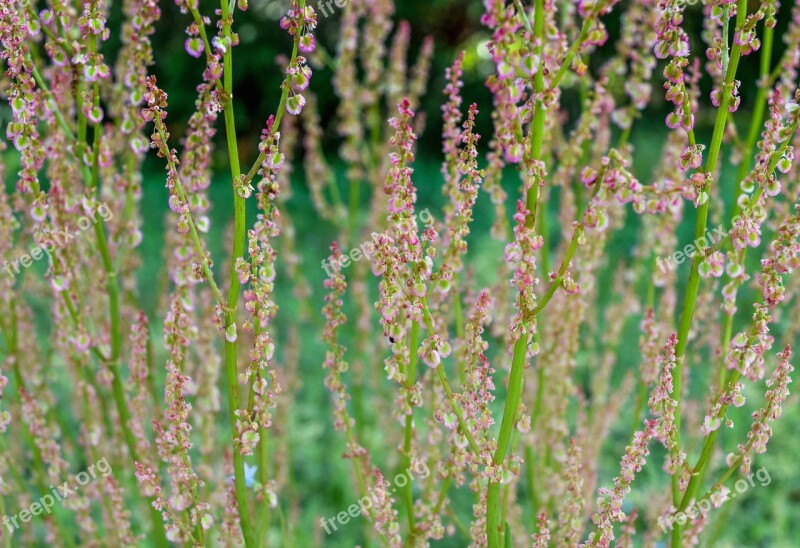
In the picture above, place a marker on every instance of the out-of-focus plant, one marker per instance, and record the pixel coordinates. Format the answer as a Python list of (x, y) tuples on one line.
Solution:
[(505, 393)]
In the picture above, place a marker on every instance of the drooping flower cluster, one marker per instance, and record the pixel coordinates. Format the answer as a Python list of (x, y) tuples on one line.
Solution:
[(673, 42), (761, 432), (300, 23)]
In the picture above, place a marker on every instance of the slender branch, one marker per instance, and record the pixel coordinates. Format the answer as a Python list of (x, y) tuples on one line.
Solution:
[(708, 443), (239, 234), (693, 285), (577, 44), (756, 123)]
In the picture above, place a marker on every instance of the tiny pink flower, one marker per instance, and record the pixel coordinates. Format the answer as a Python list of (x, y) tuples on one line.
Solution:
[(194, 46), (295, 104), (306, 43)]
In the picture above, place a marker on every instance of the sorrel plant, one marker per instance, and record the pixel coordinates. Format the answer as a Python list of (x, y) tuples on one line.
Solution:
[(499, 367)]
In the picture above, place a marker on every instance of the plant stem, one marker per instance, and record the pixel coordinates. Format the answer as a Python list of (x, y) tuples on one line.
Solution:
[(112, 287), (576, 45), (411, 373), (744, 166), (536, 135), (239, 228), (516, 376), (263, 473), (261, 448), (505, 538), (693, 286), (91, 178), (462, 424), (278, 115), (725, 32), (231, 368), (442, 495), (49, 96), (457, 410), (513, 398), (193, 234), (710, 439), (6, 536), (457, 311)]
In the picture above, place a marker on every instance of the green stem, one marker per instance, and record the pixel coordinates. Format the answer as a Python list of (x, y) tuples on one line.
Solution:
[(725, 32), (516, 376), (112, 288), (261, 448), (693, 286), (576, 45), (457, 311), (201, 27), (462, 424), (6, 535), (505, 493), (536, 135), (239, 228), (758, 113), (263, 474), (238, 251), (49, 96), (408, 495), (544, 230), (708, 443), (91, 177), (530, 472), (513, 398), (411, 374), (442, 495), (705, 457), (744, 166), (457, 410), (193, 233), (278, 115)]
